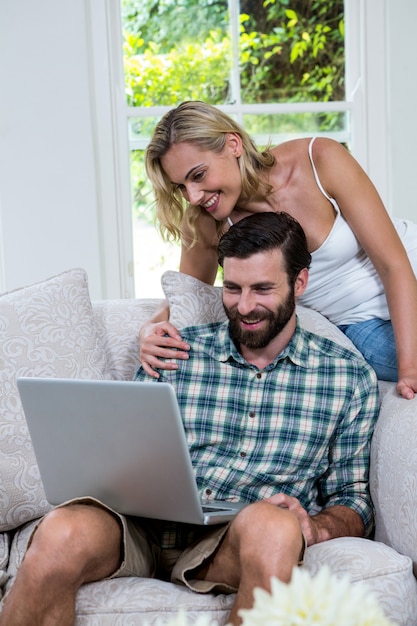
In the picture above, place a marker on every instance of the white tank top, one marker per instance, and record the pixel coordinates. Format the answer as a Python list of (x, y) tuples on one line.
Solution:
[(343, 283)]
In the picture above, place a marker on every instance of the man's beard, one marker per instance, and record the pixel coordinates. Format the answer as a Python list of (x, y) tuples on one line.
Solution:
[(258, 339)]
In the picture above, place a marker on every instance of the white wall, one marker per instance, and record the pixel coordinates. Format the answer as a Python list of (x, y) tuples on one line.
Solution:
[(402, 106), (48, 198), (49, 214)]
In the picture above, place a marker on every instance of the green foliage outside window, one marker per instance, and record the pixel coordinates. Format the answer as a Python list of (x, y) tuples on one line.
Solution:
[(290, 50)]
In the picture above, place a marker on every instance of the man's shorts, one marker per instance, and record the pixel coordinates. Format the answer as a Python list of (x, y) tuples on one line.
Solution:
[(143, 556)]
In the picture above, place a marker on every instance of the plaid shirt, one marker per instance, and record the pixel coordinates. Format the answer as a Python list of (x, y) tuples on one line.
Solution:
[(301, 426)]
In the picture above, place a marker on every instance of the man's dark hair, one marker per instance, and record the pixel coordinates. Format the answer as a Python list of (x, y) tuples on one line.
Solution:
[(266, 231)]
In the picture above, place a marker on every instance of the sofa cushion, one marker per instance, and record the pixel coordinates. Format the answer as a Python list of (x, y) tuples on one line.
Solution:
[(46, 330), (387, 574), (118, 323), (193, 302), (393, 471)]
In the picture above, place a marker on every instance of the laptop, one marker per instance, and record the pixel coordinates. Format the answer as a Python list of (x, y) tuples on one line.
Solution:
[(121, 442)]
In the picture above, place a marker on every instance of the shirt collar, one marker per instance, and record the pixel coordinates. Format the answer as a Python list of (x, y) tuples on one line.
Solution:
[(297, 350)]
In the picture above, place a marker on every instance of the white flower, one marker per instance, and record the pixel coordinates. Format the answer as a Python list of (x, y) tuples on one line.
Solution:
[(322, 600)]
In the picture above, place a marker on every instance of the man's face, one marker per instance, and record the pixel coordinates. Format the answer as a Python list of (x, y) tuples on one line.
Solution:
[(257, 298)]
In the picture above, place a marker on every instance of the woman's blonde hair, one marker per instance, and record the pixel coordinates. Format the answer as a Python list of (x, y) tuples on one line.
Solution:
[(205, 126)]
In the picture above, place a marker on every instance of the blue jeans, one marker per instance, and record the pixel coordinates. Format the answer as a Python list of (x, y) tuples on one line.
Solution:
[(375, 340)]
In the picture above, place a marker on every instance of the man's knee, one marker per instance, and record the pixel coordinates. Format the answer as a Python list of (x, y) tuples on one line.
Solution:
[(263, 527), (83, 533)]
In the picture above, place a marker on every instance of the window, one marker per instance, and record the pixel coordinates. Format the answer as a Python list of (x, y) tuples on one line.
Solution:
[(234, 55)]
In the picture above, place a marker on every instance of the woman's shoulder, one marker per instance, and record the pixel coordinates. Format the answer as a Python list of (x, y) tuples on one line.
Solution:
[(291, 146), (302, 145)]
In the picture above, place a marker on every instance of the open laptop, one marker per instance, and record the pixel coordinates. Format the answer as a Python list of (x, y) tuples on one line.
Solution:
[(118, 441)]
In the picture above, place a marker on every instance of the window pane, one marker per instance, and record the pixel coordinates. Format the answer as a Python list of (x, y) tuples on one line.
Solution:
[(266, 129), (141, 129), (292, 51), (176, 50), (288, 51), (152, 256)]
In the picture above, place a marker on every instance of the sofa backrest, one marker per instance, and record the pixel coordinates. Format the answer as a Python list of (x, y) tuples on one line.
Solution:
[(118, 323)]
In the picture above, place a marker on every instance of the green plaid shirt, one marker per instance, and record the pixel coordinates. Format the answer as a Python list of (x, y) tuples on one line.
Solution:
[(301, 426)]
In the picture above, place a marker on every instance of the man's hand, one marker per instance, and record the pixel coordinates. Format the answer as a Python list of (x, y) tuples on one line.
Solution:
[(335, 521), (292, 504)]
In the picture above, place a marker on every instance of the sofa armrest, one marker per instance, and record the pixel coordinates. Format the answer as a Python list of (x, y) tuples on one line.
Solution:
[(118, 323), (393, 474)]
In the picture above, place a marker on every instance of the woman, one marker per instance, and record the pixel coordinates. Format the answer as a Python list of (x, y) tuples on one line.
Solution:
[(207, 174)]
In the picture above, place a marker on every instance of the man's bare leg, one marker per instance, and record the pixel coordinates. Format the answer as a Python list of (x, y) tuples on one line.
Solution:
[(262, 541), (72, 545)]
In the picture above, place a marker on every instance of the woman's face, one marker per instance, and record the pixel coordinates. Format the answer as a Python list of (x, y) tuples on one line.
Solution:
[(207, 179)]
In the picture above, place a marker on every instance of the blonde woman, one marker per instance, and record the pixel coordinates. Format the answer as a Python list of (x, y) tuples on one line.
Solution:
[(207, 174)]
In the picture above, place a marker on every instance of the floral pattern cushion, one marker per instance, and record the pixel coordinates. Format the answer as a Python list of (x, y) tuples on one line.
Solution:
[(191, 301), (393, 472), (118, 323), (46, 330)]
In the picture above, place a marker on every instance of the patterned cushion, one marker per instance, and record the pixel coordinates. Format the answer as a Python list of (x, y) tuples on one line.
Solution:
[(388, 575), (193, 302), (46, 329), (118, 323), (393, 472)]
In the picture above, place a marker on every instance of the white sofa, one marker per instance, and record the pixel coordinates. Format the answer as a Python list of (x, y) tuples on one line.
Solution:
[(53, 329)]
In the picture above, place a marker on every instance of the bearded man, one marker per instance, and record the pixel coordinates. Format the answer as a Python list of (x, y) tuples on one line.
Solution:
[(275, 416)]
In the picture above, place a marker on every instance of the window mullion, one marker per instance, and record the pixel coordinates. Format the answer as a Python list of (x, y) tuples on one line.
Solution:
[(236, 97), (109, 117)]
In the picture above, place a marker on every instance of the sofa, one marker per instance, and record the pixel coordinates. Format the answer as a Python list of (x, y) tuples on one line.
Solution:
[(52, 328)]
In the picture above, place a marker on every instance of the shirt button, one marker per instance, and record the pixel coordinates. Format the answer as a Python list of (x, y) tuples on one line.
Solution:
[(259, 375), (208, 492), (243, 454), (252, 414)]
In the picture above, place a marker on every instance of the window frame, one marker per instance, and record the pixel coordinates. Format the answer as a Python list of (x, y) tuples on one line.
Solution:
[(365, 37)]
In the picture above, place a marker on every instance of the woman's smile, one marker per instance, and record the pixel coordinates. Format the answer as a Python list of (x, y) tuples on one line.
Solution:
[(212, 203)]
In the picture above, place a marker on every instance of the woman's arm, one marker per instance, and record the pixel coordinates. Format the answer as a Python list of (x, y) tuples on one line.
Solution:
[(199, 259), (158, 338), (362, 207)]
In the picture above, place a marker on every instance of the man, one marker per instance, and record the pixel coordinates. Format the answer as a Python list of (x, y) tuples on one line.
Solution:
[(274, 415)]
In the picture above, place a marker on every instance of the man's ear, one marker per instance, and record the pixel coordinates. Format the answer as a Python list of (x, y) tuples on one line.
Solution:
[(234, 141), (301, 282)]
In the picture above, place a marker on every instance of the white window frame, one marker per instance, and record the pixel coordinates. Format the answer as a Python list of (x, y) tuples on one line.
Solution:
[(365, 99)]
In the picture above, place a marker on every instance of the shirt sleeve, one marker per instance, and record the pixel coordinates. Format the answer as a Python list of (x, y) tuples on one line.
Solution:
[(141, 376), (346, 482), (165, 376)]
